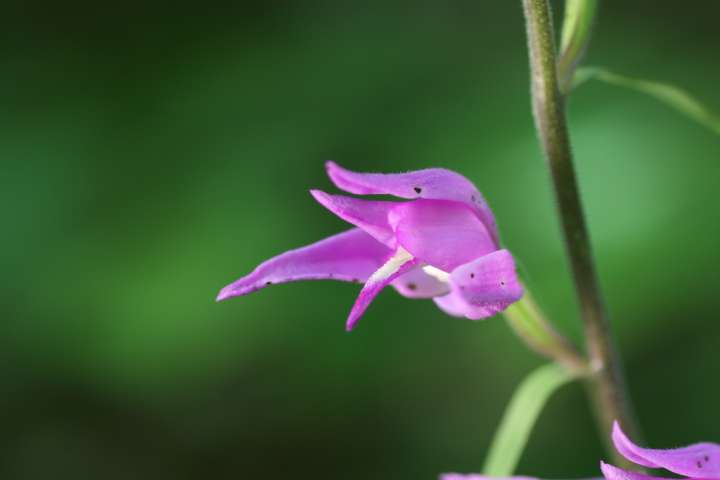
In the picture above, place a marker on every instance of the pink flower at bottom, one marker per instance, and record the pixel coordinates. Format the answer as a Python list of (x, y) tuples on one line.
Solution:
[(696, 461), (699, 461)]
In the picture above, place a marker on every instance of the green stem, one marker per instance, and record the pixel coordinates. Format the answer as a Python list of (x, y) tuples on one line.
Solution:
[(531, 325), (520, 416), (608, 390)]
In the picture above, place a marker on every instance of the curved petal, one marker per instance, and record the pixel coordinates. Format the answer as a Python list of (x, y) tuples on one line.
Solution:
[(418, 284), (611, 472), (430, 183), (700, 460), (396, 265), (482, 288), (442, 233), (489, 281), (370, 215), (351, 256), (455, 305)]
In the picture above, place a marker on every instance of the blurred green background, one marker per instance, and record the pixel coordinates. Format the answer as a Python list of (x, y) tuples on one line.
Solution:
[(152, 153)]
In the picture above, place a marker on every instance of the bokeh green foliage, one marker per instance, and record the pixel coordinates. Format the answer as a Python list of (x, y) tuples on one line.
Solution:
[(152, 153)]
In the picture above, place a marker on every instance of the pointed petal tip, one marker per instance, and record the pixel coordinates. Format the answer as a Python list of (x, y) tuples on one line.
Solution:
[(620, 439), (611, 472), (224, 294), (319, 195), (240, 288), (324, 199), (616, 430), (355, 314), (336, 173)]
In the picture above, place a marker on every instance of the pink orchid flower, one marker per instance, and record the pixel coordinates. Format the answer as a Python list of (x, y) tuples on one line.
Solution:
[(697, 461), (441, 243)]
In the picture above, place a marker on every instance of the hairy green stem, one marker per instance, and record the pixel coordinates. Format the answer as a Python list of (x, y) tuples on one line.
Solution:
[(608, 390)]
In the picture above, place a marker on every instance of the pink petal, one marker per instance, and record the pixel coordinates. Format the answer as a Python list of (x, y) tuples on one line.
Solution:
[(700, 460), (431, 183), (482, 288), (351, 256), (611, 472), (418, 284), (370, 215), (455, 305), (489, 281), (401, 262), (442, 233)]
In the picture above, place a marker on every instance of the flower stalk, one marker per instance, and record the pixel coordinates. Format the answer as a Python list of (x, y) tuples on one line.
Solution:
[(530, 324), (607, 384)]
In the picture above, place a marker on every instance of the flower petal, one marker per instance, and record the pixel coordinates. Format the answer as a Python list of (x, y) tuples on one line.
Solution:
[(431, 183), (370, 215), (442, 233), (700, 460), (482, 288), (351, 256), (455, 305), (418, 284), (611, 472), (489, 281), (401, 262)]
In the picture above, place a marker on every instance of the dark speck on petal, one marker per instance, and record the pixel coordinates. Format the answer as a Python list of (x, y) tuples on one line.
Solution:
[(418, 190)]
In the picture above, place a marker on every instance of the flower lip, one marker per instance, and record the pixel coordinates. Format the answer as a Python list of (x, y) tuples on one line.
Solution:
[(490, 280)]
